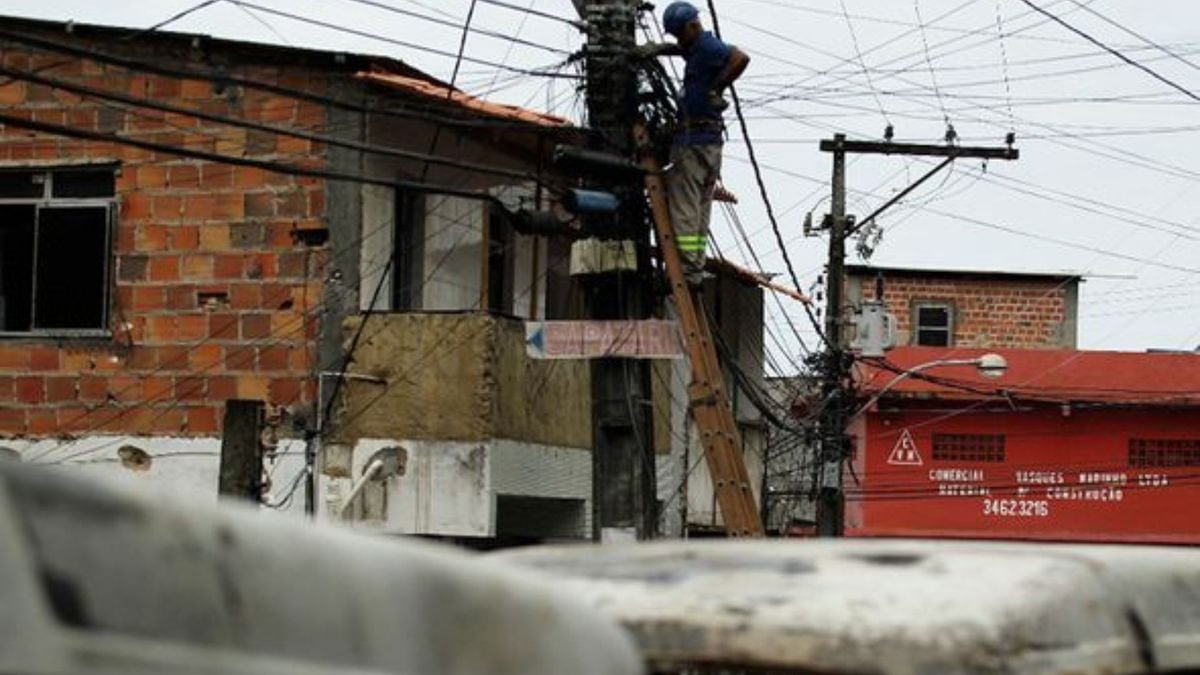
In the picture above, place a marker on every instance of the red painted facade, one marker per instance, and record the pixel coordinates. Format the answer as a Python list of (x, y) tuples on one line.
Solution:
[(1087, 446)]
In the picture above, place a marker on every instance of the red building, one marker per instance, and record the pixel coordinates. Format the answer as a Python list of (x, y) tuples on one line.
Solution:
[(1066, 445)]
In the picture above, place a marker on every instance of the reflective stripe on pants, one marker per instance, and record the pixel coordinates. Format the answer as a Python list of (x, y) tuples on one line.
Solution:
[(690, 182)]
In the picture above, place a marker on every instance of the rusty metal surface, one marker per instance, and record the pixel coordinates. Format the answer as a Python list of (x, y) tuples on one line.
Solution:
[(98, 578), (893, 606)]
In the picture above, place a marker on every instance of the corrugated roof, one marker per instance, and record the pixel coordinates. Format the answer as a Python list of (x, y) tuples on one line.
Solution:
[(1136, 378), (435, 90)]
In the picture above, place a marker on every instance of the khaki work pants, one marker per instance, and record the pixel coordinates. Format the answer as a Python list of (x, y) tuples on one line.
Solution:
[(690, 184)]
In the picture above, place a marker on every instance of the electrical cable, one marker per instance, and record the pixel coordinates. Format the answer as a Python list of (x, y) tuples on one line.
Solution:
[(176, 17), (265, 24), (1004, 64), (1152, 73), (291, 131), (865, 71), (762, 188), (929, 62), (532, 12), (533, 72), (267, 165), (512, 39), (226, 79)]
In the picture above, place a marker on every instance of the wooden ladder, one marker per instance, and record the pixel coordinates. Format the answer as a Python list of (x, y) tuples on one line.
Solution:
[(708, 395)]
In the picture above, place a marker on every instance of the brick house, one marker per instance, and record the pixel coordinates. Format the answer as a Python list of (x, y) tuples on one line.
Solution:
[(141, 289), (163, 285), (965, 308)]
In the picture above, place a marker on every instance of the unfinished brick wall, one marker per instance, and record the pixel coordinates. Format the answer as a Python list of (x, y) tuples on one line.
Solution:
[(212, 298), (1035, 313)]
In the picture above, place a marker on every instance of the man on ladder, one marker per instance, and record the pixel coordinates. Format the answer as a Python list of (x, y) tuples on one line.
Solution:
[(711, 67), (681, 208)]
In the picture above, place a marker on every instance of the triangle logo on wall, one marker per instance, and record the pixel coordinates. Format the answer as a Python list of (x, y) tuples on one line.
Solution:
[(905, 452)]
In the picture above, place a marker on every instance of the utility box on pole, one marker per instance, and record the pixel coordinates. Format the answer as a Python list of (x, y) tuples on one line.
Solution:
[(836, 393)]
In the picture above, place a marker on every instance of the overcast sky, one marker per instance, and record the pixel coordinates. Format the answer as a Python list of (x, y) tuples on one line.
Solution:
[(1106, 184)]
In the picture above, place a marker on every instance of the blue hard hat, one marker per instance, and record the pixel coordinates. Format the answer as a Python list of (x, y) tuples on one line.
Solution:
[(677, 15)]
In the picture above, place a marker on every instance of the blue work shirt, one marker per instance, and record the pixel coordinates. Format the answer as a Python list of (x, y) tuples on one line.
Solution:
[(699, 121)]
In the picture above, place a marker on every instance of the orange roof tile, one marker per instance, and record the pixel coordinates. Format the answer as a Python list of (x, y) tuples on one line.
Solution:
[(420, 87)]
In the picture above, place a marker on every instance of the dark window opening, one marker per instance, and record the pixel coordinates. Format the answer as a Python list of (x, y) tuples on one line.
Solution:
[(563, 300), (84, 184), (16, 267), (22, 184), (1162, 453), (72, 245), (408, 250), (55, 229), (499, 264), (933, 326), (968, 447)]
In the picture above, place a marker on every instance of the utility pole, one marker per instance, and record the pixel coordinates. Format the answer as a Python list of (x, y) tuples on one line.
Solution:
[(617, 287), (241, 451), (836, 392), (830, 504)]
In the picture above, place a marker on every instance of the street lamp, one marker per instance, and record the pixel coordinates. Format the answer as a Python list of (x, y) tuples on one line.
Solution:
[(990, 366)]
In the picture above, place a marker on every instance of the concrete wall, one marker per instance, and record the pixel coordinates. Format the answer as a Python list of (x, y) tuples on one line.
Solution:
[(540, 401), (454, 488), (177, 466), (461, 377)]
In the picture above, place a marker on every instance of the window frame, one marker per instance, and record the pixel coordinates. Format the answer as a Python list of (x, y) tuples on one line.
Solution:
[(918, 305), (48, 200), (969, 447)]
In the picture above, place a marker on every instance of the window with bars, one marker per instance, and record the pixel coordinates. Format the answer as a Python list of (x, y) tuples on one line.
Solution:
[(968, 447), (55, 252), (933, 324), (1159, 453)]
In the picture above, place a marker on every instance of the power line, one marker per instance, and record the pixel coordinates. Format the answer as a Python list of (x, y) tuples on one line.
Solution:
[(1114, 52), (866, 73), (1107, 151), (918, 54), (267, 165), (293, 131), (1012, 230), (491, 88), (929, 62), (531, 12), (1139, 36), (762, 188), (1004, 63), (265, 24), (965, 32), (176, 17), (392, 41), (513, 39), (268, 87)]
